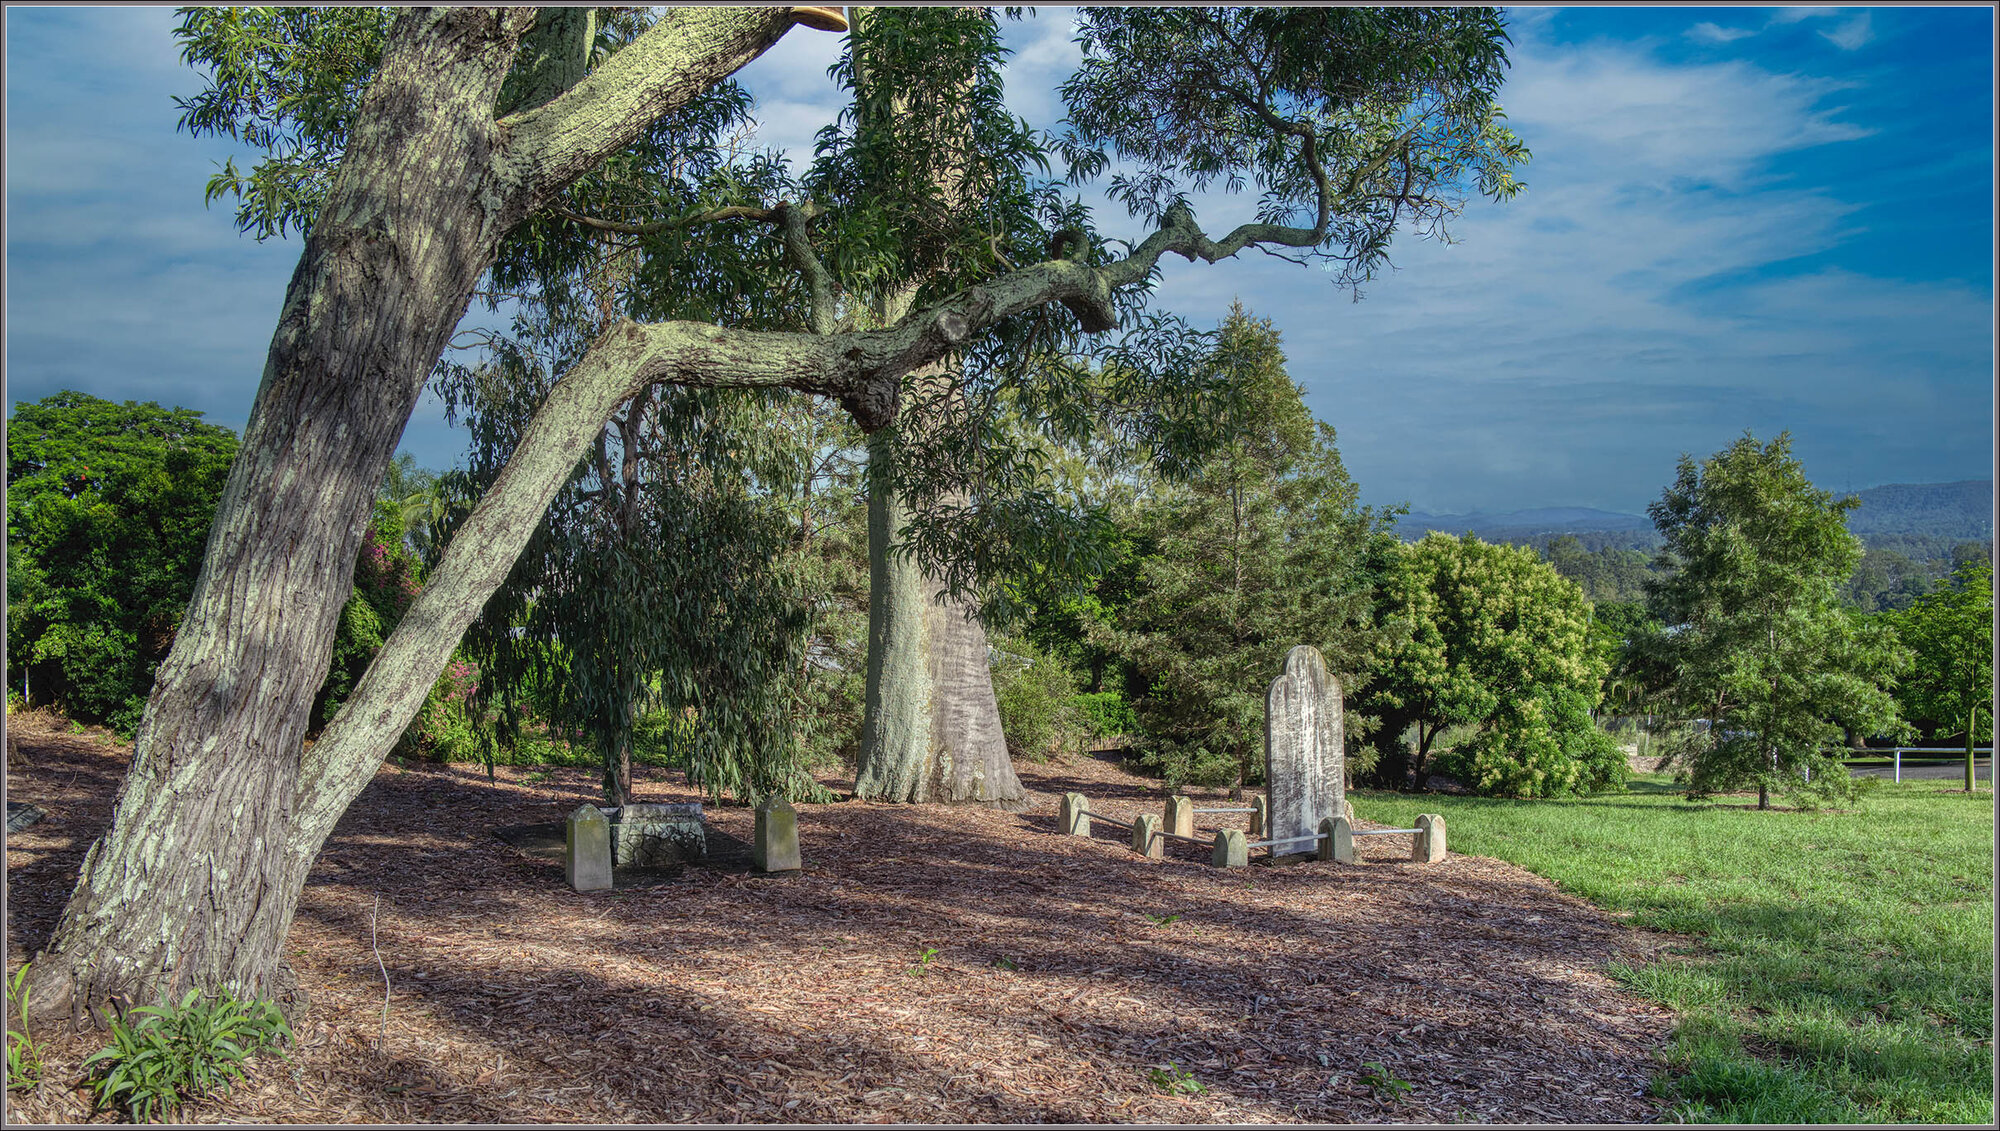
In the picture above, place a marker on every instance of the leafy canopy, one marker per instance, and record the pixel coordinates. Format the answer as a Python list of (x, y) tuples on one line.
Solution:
[(1755, 641), (1493, 638)]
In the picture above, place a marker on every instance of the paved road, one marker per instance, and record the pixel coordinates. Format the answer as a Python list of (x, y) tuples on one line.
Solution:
[(1954, 770)]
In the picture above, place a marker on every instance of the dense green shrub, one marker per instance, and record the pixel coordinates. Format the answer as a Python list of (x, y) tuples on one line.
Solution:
[(1106, 714), (108, 509), (1540, 745), (1037, 703)]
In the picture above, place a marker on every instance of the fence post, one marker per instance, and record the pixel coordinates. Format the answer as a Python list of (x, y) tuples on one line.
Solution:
[(1146, 839), (1074, 819), (1427, 847), (1260, 816), (1899, 765), (1231, 850), (1336, 840), (1180, 815)]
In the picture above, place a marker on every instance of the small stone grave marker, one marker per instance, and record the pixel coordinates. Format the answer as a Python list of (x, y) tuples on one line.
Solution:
[(774, 846), (1146, 839), (587, 850)]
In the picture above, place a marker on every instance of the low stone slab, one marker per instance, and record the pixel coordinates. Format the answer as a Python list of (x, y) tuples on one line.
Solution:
[(775, 845), (20, 815), (658, 836), (1180, 815)]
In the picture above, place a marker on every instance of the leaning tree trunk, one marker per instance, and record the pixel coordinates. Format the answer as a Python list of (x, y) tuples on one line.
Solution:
[(195, 881)]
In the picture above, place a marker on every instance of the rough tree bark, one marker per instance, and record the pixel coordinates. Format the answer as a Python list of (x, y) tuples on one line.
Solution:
[(185, 888), (223, 812)]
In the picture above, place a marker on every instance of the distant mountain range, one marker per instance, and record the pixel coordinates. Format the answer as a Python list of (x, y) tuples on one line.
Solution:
[(1960, 511)]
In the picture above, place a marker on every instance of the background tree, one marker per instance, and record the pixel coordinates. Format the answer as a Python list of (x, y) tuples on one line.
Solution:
[(1950, 632), (1755, 641), (1489, 637), (1263, 548), (1378, 121), (107, 509)]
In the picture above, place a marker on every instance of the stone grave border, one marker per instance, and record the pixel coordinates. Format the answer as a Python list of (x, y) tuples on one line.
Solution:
[(1230, 848)]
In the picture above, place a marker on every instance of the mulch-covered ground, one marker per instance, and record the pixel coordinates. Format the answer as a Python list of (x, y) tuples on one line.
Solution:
[(929, 965)]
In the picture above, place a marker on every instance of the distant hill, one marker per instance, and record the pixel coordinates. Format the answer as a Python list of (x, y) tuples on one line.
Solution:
[(1921, 520), (1960, 511), (1535, 525)]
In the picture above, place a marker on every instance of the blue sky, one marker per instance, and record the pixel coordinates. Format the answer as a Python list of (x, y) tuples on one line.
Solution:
[(1737, 219)]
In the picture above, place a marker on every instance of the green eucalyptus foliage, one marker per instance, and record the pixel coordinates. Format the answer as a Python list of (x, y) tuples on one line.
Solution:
[(1263, 547), (1756, 644), (1348, 122), (1492, 639), (165, 1055), (285, 81), (108, 510)]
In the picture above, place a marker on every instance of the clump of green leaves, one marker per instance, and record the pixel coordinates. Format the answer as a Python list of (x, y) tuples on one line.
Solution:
[(1383, 1083), (1170, 1077), (925, 957), (1162, 920), (169, 1054), (24, 1060)]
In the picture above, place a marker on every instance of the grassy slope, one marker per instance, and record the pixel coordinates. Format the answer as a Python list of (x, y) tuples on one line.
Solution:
[(1844, 966)]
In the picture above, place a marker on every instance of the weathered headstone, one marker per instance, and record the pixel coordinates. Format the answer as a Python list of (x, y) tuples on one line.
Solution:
[(1260, 817), (1074, 817), (1303, 767), (774, 845), (587, 849), (1180, 815), (1427, 847), (1336, 840), (1231, 850), (1146, 839), (658, 836)]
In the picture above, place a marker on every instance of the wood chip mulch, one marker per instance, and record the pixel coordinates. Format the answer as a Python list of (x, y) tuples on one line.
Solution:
[(929, 965)]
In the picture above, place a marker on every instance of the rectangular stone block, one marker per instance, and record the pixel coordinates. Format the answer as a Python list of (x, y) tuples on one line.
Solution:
[(774, 845), (587, 849), (1336, 840), (1232, 850), (1304, 764), (1427, 847), (658, 836), (1073, 819), (1146, 839)]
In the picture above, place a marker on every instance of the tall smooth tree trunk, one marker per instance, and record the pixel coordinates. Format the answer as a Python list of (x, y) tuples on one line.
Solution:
[(195, 882), (930, 726)]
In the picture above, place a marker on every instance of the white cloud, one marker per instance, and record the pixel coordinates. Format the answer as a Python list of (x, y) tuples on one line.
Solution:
[(1792, 15), (1707, 32), (1582, 336), (1851, 35)]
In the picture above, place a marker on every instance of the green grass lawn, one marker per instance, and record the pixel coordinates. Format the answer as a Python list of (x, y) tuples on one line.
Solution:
[(1840, 964)]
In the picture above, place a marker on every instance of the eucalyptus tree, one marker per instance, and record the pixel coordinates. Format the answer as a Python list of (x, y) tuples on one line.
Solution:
[(420, 152)]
